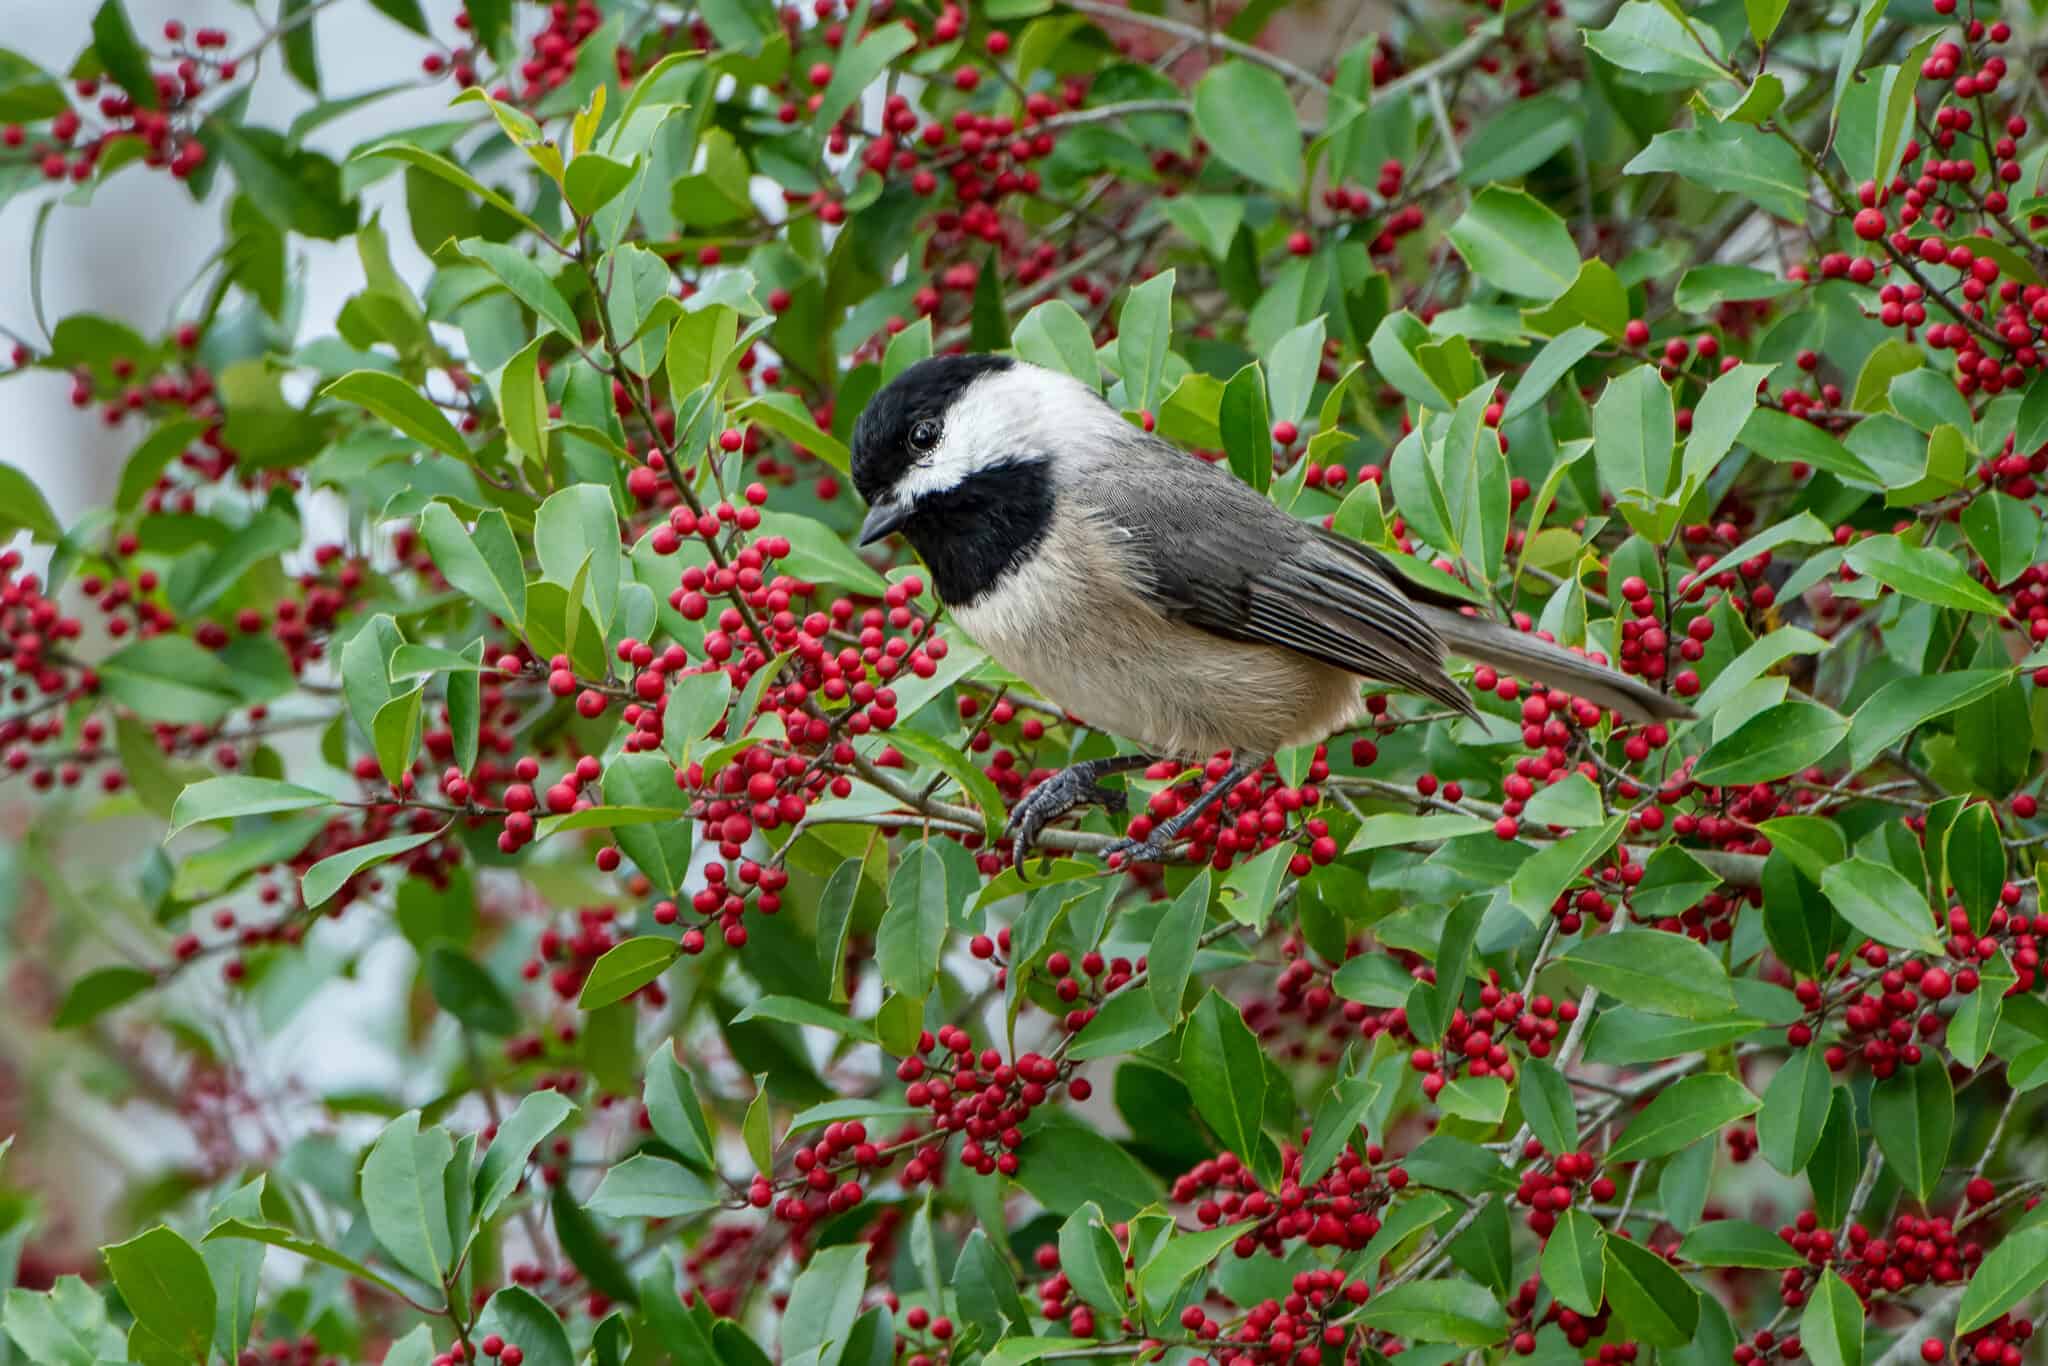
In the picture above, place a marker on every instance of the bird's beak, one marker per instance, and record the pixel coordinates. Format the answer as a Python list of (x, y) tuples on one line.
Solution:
[(883, 518)]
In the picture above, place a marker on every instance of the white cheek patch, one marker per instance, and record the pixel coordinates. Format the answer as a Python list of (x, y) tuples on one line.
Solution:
[(1025, 412)]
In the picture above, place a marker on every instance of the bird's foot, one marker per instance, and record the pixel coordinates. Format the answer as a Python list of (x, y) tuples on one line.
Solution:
[(1052, 799), (1130, 852)]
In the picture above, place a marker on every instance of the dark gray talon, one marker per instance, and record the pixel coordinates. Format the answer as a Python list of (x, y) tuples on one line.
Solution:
[(1134, 852), (1061, 793)]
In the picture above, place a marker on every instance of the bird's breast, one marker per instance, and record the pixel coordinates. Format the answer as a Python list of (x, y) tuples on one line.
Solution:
[(1068, 621)]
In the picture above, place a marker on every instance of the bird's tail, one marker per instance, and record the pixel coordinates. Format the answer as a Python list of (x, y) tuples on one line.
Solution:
[(1484, 641)]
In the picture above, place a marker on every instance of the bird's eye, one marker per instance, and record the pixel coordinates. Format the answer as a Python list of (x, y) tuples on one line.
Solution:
[(924, 436)]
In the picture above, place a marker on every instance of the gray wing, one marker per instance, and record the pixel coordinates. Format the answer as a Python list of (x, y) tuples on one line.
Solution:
[(1213, 554)]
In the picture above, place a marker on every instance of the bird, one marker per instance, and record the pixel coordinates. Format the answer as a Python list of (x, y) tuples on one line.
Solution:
[(1154, 595)]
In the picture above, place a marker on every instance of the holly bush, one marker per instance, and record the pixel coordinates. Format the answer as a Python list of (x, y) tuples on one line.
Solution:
[(500, 641)]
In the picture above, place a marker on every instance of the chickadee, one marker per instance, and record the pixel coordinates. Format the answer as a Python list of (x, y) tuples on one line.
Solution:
[(1155, 595)]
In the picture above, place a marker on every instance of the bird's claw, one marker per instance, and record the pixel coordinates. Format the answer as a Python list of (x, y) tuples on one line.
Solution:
[(1134, 852), (1049, 801)]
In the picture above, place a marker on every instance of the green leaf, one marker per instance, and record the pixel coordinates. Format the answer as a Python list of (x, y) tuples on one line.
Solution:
[(1144, 333), (1336, 1124), (303, 1247), (518, 1315), (1718, 419), (330, 874), (395, 734), (1548, 1108), (602, 818), (1515, 243), (1651, 1301), (2004, 532), (539, 1114), (98, 992), (406, 1196), (121, 55), (1837, 1163), (1124, 1023), (23, 508), (1064, 1164), (1245, 115), (1552, 364), (1974, 855), (1920, 573), (28, 94), (1224, 1067), (1055, 336), (1091, 1260), (1732, 1242), (578, 526), (592, 181), (523, 403), (1975, 1024), (1702, 289), (1876, 900), (1795, 1110), (1471, 469), (1649, 40), (1667, 974), (1634, 426), (64, 1326), (625, 968), (1171, 957), (404, 407), (2031, 430), (675, 1111), (795, 1010), (1732, 158), (1455, 1311), (526, 282), (754, 1126), (1763, 16), (636, 281), (1831, 1328), (1850, 53), (586, 1247), (1545, 874), (648, 1187), (1247, 427), (485, 564), (297, 189), (853, 72), (825, 1299), (1772, 744), (912, 936), (467, 992), (961, 767), (366, 671), (985, 1289), (1689, 1109), (164, 1282), (1210, 221), (301, 56), (1624, 1037), (218, 799), (2014, 1268), (1292, 366), (170, 678), (1575, 1262), (1182, 1259), (1905, 704), (661, 850), (146, 463), (1913, 1113)]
